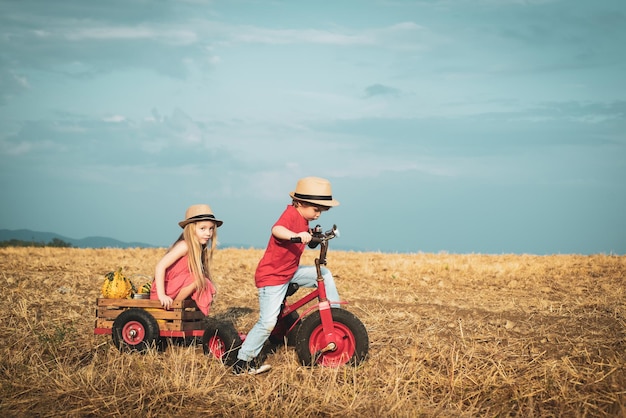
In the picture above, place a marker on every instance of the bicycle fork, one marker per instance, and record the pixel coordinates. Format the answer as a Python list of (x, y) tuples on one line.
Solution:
[(324, 308)]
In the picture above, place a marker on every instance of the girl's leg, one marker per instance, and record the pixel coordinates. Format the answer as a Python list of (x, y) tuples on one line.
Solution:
[(185, 292), (270, 300)]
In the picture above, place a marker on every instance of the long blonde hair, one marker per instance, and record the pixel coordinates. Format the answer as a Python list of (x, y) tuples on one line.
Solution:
[(199, 256)]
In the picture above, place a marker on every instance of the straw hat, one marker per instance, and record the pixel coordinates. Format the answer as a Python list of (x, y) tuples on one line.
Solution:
[(314, 190), (197, 213)]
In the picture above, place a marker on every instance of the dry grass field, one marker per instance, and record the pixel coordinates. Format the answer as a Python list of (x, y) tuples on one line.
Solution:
[(450, 336)]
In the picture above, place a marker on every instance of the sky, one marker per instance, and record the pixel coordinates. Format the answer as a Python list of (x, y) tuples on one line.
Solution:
[(458, 126)]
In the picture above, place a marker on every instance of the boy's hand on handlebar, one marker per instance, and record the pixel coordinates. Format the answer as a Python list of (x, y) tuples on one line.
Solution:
[(305, 237)]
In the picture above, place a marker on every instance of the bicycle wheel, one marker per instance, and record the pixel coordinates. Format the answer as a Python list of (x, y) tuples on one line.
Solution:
[(350, 337), (222, 341)]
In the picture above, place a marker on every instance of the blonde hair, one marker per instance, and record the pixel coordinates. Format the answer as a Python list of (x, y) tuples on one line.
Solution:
[(199, 256)]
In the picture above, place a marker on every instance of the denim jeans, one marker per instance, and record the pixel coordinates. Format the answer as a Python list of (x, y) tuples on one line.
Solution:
[(270, 301)]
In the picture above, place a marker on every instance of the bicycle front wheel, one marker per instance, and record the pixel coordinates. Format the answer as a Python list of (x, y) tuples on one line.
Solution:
[(350, 337)]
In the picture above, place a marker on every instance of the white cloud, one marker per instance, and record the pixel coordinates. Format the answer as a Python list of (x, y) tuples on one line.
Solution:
[(15, 149), (21, 80), (155, 32), (114, 118), (249, 34), (396, 36)]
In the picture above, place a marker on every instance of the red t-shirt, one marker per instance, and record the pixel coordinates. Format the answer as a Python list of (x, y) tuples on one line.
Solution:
[(282, 257)]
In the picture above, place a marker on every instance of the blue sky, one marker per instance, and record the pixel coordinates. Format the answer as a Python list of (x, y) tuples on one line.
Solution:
[(467, 126)]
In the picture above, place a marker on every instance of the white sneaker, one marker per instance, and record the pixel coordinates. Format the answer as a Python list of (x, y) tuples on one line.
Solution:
[(262, 369), (244, 367)]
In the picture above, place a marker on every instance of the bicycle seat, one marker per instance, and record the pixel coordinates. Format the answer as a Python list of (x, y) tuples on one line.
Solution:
[(292, 288)]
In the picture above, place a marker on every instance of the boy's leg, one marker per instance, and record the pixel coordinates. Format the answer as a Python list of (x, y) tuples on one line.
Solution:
[(270, 300), (306, 276)]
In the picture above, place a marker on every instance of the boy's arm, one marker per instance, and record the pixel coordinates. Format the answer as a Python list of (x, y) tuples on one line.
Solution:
[(282, 233)]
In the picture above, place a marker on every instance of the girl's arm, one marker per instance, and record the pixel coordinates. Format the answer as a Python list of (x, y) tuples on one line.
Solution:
[(177, 251)]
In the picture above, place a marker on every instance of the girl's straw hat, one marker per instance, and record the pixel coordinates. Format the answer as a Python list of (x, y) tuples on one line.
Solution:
[(197, 213), (314, 190)]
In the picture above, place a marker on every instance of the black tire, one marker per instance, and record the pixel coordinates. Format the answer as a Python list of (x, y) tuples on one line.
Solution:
[(352, 342), (277, 337), (135, 330), (222, 341)]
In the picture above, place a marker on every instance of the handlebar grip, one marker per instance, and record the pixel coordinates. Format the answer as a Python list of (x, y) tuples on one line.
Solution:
[(312, 244)]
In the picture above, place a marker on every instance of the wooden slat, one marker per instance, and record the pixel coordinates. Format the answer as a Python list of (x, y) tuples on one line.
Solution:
[(188, 326), (181, 326), (144, 303), (103, 323), (192, 316), (185, 316), (157, 314), (163, 325)]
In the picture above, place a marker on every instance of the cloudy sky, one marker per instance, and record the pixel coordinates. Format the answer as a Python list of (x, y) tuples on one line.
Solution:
[(466, 126)]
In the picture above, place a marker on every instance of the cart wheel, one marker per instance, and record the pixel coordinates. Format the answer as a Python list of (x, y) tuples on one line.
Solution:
[(222, 341), (135, 330), (351, 338), (282, 327)]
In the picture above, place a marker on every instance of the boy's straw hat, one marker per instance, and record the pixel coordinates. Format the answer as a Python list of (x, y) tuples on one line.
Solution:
[(197, 213), (314, 190)]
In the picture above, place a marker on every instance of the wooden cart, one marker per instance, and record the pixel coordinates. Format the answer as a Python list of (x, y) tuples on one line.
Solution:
[(184, 319), (138, 324)]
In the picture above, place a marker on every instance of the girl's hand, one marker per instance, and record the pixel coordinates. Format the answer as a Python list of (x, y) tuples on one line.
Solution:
[(166, 301)]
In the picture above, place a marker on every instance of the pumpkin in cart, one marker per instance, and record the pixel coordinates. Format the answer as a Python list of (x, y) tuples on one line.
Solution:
[(145, 289), (117, 286)]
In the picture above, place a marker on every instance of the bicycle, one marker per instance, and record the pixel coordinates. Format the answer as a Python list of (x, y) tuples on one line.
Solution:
[(322, 335)]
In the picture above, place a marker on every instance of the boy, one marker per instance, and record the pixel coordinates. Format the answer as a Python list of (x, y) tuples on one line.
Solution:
[(280, 265)]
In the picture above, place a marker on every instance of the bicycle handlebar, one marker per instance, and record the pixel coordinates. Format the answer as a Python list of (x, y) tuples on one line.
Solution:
[(315, 241), (317, 236)]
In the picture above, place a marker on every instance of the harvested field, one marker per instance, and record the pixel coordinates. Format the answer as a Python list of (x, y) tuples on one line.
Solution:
[(450, 336)]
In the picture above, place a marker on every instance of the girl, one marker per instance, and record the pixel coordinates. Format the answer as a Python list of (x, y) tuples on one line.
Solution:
[(184, 271)]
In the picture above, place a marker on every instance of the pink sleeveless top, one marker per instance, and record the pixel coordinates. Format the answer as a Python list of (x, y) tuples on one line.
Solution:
[(178, 276)]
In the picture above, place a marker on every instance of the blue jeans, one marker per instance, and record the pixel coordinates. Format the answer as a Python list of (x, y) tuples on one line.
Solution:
[(270, 301)]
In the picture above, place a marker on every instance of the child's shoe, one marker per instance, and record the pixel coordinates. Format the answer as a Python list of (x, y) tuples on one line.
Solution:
[(244, 367)]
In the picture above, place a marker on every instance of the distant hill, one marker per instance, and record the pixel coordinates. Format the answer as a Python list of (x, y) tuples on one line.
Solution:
[(89, 242), (104, 242)]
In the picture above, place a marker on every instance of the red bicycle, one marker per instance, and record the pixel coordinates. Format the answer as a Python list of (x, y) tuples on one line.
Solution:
[(322, 335)]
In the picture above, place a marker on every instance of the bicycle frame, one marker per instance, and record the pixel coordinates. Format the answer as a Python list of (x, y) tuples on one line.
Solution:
[(319, 293)]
